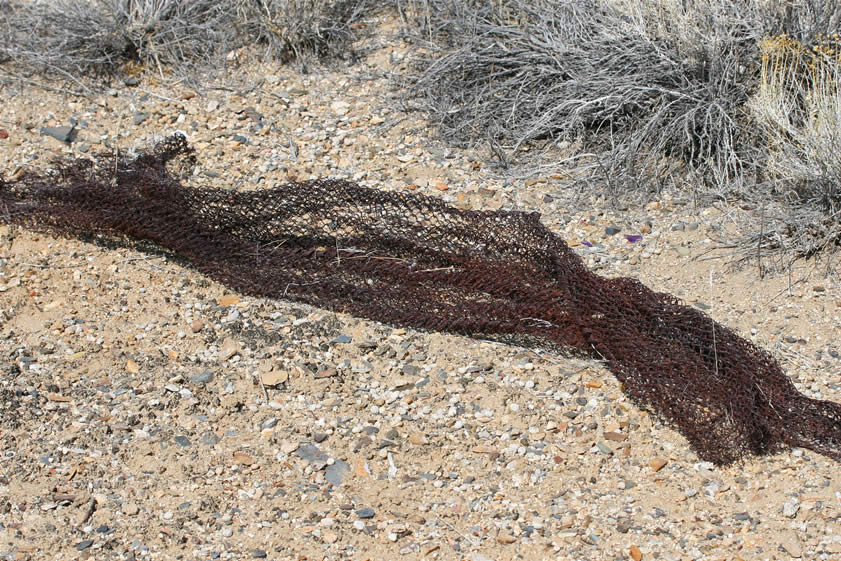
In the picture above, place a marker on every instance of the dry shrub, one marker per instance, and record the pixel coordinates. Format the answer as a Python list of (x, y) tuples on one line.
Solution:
[(305, 29), (517, 71), (655, 93), (79, 38), (100, 36), (798, 106)]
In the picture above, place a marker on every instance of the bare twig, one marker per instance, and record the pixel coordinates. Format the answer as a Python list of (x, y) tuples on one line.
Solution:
[(14, 76), (89, 512), (471, 540), (263, 386)]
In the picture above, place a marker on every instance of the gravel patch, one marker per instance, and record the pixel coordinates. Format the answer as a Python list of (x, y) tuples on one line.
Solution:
[(149, 413)]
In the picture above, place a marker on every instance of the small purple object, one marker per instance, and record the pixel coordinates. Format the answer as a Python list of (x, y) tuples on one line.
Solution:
[(588, 244), (633, 238)]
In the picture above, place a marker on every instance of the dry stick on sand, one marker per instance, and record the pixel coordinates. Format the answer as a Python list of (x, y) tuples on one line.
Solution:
[(469, 272)]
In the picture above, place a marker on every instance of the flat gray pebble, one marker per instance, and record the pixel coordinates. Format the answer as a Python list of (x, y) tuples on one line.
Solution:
[(209, 439), (336, 472), (203, 378), (64, 134), (365, 513), (604, 448), (313, 454)]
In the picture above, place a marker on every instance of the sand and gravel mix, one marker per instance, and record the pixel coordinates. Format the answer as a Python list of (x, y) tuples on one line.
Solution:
[(148, 413)]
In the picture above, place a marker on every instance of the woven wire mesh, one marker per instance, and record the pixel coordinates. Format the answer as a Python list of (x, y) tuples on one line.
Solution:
[(413, 261)]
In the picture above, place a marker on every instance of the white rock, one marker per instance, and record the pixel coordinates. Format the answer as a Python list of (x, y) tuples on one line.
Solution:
[(790, 508), (340, 107)]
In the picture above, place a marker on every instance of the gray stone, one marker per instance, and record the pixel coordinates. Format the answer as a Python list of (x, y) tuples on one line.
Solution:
[(209, 438), (182, 441), (63, 134), (336, 472), (341, 339), (139, 117), (203, 378), (604, 448), (790, 508), (312, 454), (411, 369), (83, 545), (365, 513)]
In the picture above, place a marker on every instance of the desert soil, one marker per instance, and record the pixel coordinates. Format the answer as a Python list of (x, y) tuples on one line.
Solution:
[(148, 413)]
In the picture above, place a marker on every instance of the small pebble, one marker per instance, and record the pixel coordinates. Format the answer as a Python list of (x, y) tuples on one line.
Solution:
[(336, 472), (130, 509), (365, 513)]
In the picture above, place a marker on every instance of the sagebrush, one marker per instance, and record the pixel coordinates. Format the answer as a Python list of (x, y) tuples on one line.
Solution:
[(78, 39), (657, 94)]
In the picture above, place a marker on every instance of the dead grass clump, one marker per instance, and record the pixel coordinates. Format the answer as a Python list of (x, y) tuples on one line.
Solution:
[(798, 106), (305, 29), (518, 71), (99, 37), (656, 93)]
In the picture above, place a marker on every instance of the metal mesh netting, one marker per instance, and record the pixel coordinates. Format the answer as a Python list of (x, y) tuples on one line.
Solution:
[(414, 261)]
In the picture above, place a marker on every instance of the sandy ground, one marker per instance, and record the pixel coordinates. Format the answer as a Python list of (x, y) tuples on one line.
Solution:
[(148, 413)]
